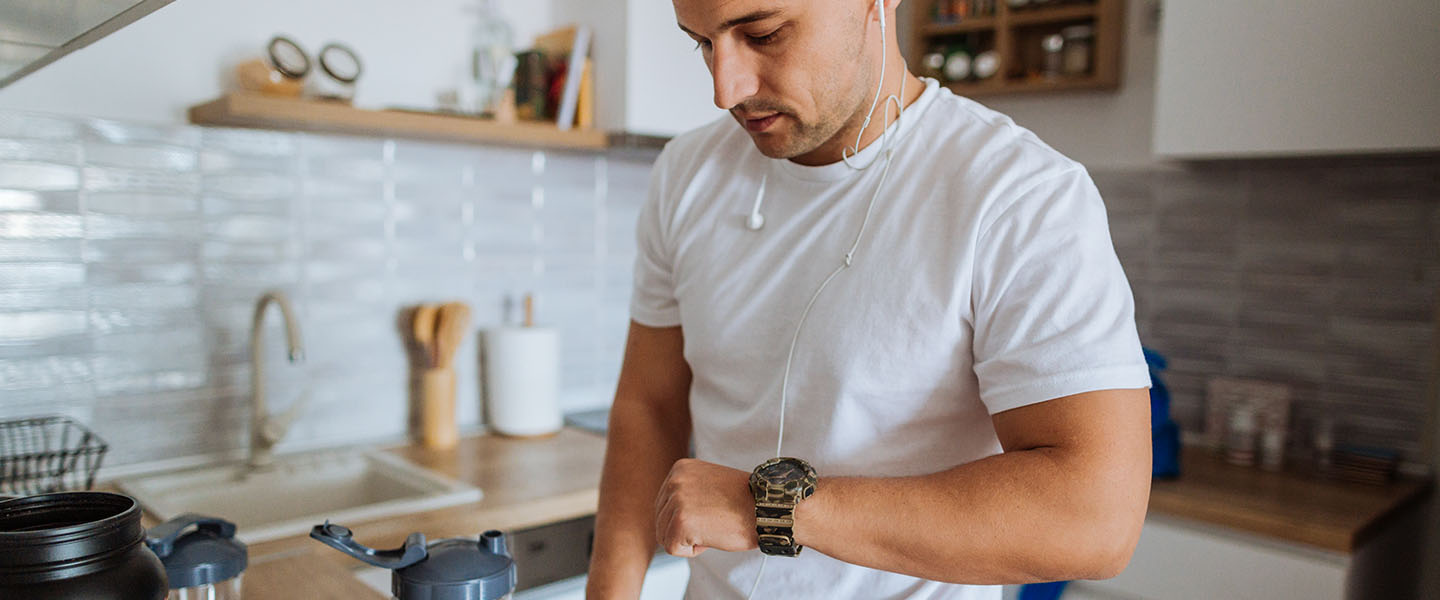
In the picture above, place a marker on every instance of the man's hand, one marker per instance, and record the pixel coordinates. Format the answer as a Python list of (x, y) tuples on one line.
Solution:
[(704, 505)]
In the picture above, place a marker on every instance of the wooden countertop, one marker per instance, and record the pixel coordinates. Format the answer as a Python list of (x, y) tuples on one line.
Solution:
[(529, 482), (1293, 506), (526, 482)]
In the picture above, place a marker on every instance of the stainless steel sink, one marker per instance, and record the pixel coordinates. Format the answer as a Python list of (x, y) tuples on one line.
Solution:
[(299, 491)]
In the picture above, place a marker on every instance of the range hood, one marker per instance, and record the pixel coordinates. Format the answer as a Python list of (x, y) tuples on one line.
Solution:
[(35, 33)]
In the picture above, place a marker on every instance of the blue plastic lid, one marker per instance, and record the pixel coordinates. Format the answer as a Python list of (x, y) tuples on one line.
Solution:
[(453, 569), (205, 555), (459, 569)]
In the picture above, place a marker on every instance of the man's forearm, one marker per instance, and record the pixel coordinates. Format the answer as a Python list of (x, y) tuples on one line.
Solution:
[(643, 443), (1034, 515)]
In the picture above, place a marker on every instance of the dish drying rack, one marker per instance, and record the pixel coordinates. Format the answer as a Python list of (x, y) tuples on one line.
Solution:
[(40, 455)]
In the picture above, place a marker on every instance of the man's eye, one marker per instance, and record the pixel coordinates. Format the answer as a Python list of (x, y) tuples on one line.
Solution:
[(702, 44), (764, 40)]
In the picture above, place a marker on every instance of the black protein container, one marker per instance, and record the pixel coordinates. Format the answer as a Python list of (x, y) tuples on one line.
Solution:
[(74, 546)]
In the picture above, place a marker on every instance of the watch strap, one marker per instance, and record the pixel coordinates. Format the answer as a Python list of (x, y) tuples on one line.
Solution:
[(775, 526)]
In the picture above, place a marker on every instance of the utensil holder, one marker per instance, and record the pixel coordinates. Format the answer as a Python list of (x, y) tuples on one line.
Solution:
[(435, 399)]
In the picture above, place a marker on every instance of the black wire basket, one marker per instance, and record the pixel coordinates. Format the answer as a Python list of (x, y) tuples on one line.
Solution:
[(48, 454)]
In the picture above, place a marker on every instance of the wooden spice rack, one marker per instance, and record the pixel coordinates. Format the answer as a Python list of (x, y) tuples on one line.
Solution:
[(1015, 34), (266, 112)]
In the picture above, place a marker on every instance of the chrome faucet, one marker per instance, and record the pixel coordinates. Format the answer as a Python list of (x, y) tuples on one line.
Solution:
[(266, 431)]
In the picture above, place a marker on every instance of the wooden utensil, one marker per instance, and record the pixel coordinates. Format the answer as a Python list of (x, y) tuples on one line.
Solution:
[(423, 330), (451, 326)]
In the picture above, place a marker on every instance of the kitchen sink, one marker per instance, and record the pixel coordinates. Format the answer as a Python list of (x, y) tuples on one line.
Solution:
[(299, 491)]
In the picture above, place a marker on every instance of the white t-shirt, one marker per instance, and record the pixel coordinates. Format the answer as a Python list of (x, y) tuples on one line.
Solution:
[(986, 281)]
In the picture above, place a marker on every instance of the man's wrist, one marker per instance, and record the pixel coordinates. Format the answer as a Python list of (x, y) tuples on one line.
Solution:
[(810, 514)]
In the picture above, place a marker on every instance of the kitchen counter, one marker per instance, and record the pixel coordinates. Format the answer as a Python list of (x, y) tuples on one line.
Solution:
[(526, 482), (530, 482), (1293, 505)]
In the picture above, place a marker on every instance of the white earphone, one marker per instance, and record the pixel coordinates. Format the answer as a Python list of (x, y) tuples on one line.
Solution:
[(756, 220)]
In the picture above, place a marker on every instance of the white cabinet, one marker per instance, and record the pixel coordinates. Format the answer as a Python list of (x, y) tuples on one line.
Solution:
[(649, 79), (1179, 559), (666, 580), (1274, 77)]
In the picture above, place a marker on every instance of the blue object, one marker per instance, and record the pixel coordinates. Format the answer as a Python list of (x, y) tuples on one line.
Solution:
[(1164, 434), (197, 550), (1042, 591)]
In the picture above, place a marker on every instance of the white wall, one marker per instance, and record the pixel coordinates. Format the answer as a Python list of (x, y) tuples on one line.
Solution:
[(181, 55), (649, 78), (669, 89)]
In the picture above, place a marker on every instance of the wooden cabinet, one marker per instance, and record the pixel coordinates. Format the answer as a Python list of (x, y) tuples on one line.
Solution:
[(1016, 35), (1280, 77)]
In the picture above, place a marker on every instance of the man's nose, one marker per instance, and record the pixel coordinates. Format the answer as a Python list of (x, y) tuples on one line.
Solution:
[(734, 75)]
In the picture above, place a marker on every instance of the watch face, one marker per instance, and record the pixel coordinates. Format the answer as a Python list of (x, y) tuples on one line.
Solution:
[(783, 473), (787, 476)]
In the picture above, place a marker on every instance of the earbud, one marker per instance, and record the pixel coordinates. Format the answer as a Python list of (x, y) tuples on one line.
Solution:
[(756, 220), (880, 8)]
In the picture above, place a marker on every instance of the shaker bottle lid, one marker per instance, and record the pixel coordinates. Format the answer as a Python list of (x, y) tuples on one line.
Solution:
[(197, 550), (460, 569), (452, 569)]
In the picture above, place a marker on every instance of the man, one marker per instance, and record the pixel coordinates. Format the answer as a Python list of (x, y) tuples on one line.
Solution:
[(966, 381)]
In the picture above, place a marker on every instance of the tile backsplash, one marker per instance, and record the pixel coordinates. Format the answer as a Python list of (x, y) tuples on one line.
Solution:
[(131, 257), (1320, 274)]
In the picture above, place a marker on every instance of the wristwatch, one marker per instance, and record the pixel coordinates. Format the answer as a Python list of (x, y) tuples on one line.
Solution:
[(778, 485)]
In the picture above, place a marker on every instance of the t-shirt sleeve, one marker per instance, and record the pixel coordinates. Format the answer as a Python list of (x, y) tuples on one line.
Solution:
[(653, 301), (1054, 315)]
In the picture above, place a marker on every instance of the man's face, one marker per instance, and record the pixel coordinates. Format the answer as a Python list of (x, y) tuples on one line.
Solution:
[(791, 72)]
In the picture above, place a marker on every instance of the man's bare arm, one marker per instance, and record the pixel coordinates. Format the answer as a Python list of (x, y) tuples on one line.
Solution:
[(1066, 500), (649, 430)]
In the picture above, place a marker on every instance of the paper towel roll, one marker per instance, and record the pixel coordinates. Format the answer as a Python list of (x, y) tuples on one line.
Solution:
[(521, 373)]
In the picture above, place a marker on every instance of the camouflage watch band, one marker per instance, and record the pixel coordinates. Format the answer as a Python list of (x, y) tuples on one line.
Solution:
[(775, 524)]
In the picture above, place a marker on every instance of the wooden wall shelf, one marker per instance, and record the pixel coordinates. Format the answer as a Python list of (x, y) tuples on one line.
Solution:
[(966, 26), (265, 112), (978, 89), (1063, 12), (1011, 33)]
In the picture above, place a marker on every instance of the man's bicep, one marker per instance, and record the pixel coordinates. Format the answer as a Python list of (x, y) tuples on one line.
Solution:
[(1117, 421)]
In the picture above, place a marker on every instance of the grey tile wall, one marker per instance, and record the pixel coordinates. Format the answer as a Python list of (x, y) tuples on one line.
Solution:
[(131, 257), (1321, 274)]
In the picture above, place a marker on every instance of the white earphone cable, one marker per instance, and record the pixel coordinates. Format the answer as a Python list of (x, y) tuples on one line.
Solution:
[(887, 152), (850, 151)]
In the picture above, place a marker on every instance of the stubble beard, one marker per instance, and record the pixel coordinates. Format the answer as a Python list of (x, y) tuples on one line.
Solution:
[(803, 138)]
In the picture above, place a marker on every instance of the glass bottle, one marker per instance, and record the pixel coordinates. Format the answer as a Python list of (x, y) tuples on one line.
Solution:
[(491, 63)]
